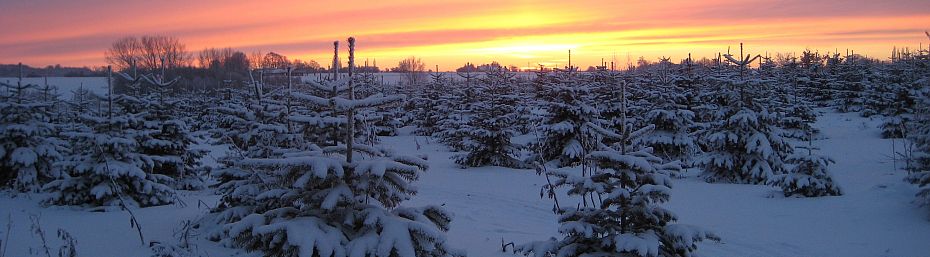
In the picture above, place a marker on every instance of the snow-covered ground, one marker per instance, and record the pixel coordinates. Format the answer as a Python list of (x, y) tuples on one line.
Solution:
[(107, 233), (66, 85), (874, 217)]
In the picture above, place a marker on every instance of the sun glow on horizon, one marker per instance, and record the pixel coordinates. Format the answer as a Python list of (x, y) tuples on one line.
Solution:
[(450, 34)]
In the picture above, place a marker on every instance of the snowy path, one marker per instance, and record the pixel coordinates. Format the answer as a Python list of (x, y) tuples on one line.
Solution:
[(490, 203)]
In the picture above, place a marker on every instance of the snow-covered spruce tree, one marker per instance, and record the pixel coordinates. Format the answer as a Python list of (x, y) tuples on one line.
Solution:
[(319, 113), (796, 110), (897, 92), (344, 209), (624, 98), (168, 142), (808, 176), (527, 117), (318, 125), (571, 127), (709, 99), (671, 138), (254, 129), (664, 127), (341, 200), (451, 128), (165, 136), (106, 168), (29, 147), (251, 134), (487, 136), (813, 82), (626, 219), (921, 178), (745, 145), (81, 103), (900, 115), (852, 78), (427, 104), (919, 173), (618, 214), (457, 112), (320, 120), (611, 97), (798, 121), (384, 120), (689, 84), (234, 122)]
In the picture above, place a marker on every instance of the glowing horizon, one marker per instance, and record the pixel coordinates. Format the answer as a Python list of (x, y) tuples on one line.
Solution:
[(449, 34)]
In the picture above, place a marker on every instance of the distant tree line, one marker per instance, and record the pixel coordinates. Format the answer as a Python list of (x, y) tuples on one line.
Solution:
[(212, 68), (209, 68), (13, 70), (493, 66)]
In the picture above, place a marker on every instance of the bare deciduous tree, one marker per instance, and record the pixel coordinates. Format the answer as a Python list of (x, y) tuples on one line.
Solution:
[(255, 59), (413, 69), (274, 60), (149, 53), (224, 63), (237, 62), (163, 52), (212, 57), (310, 65), (123, 52)]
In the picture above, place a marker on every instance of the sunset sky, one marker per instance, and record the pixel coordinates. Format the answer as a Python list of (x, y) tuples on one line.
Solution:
[(450, 33)]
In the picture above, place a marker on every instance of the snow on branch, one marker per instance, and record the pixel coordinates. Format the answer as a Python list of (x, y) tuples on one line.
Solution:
[(315, 100), (343, 104), (371, 101), (642, 131), (320, 166), (340, 85), (602, 131), (341, 149), (627, 160)]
